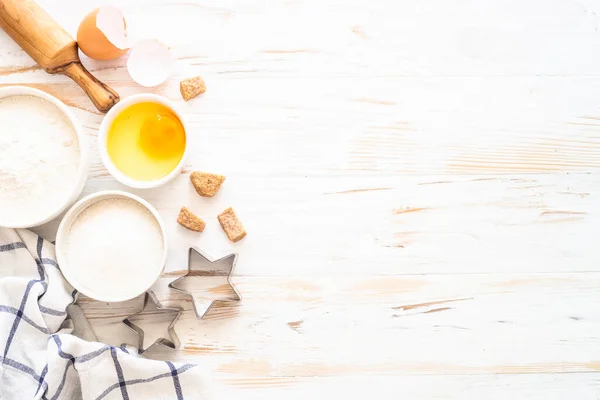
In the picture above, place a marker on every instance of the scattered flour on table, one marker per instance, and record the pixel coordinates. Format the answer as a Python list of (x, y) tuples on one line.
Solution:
[(39, 159), (114, 248)]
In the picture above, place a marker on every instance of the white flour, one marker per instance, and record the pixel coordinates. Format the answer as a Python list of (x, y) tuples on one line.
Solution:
[(39, 159), (114, 248)]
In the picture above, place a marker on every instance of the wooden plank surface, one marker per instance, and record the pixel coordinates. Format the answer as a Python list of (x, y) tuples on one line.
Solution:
[(419, 181)]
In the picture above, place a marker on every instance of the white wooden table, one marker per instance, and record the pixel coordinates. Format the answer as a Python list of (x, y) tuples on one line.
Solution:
[(420, 181)]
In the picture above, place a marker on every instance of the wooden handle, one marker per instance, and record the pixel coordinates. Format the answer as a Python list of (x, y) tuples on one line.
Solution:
[(101, 95)]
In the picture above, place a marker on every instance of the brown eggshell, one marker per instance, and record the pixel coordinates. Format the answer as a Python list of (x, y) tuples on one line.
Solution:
[(92, 41)]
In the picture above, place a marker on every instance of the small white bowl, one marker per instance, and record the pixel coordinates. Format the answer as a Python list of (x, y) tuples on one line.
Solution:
[(106, 124), (84, 158), (63, 234)]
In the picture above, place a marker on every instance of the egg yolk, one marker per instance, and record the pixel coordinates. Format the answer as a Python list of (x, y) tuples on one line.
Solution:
[(159, 136), (146, 141)]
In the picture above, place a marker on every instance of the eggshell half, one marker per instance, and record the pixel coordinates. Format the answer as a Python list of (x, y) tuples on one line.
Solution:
[(102, 34), (111, 22), (150, 63)]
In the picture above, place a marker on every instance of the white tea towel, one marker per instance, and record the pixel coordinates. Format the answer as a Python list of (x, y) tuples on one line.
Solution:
[(39, 360)]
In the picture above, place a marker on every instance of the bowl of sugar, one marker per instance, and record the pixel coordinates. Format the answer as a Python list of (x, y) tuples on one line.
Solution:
[(111, 246), (43, 157)]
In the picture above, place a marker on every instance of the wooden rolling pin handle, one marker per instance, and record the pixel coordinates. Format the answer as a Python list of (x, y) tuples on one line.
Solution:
[(101, 95)]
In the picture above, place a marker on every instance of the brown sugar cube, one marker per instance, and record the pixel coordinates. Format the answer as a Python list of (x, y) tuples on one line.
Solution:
[(206, 184), (187, 219), (231, 225), (192, 87)]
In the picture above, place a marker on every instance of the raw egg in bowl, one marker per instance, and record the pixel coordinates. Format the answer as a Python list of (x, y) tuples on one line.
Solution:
[(143, 141)]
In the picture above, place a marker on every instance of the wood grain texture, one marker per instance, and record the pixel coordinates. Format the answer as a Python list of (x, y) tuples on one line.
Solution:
[(289, 331), (356, 225), (419, 182)]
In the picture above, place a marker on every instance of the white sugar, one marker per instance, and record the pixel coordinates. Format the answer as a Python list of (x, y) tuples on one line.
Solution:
[(114, 248), (39, 159)]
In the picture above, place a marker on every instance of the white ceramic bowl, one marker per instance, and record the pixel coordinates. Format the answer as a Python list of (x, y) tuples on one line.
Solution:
[(62, 238), (84, 158), (106, 124)]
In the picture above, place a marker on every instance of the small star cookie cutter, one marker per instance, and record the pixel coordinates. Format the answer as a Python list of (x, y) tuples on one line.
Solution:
[(229, 259), (153, 307)]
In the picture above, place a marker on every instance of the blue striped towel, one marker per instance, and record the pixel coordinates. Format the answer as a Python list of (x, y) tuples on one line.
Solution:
[(41, 359)]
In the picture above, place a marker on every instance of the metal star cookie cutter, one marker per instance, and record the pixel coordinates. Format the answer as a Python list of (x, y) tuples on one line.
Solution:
[(152, 306), (230, 259)]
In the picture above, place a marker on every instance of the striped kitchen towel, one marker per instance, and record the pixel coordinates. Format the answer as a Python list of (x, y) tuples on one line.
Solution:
[(41, 359)]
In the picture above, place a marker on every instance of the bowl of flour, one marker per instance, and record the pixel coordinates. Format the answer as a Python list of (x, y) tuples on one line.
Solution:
[(43, 157), (111, 246)]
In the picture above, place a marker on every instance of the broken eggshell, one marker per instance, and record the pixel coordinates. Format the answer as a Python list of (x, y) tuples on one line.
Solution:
[(150, 62), (102, 34)]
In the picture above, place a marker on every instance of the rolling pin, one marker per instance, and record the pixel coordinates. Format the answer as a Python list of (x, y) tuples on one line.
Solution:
[(52, 48)]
